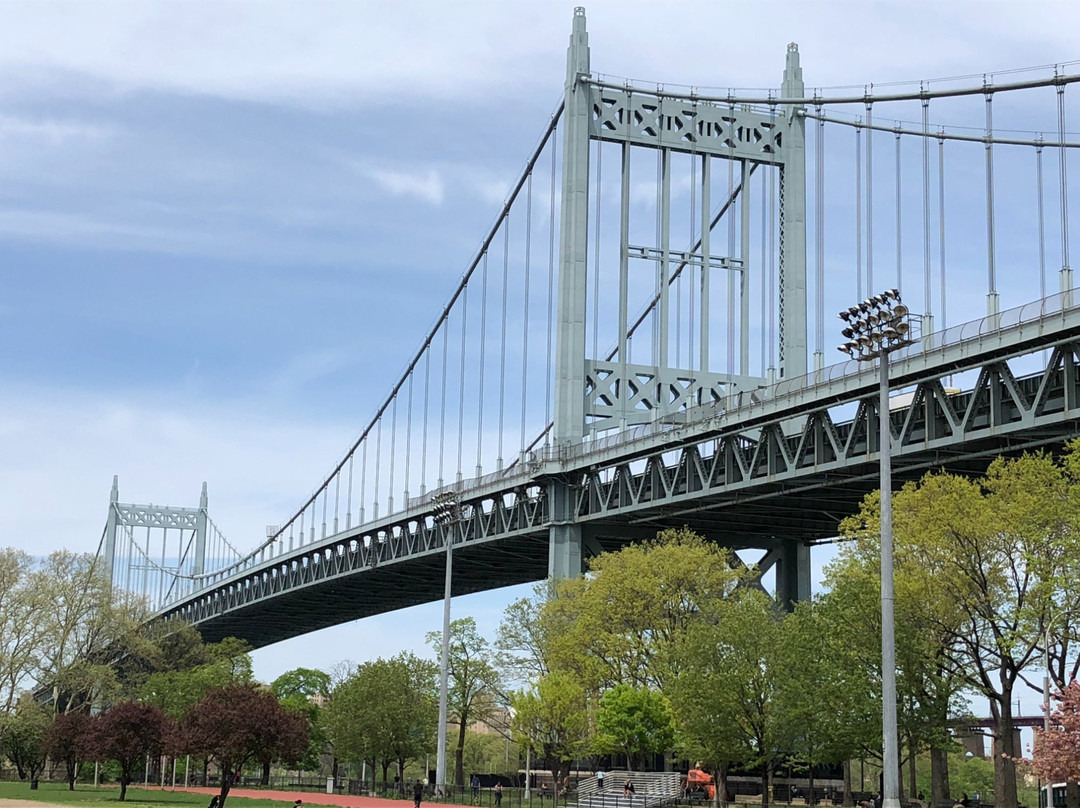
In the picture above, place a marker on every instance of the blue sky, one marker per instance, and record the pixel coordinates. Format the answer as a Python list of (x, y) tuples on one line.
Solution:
[(225, 227)]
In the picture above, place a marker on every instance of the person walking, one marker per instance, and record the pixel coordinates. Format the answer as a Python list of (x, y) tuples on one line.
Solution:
[(475, 783), (498, 795), (417, 793), (599, 781)]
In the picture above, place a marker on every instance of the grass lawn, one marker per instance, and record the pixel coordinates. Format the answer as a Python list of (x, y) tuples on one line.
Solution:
[(89, 797)]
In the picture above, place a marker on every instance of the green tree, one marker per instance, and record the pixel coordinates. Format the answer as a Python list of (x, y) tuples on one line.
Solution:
[(21, 609), (301, 690), (996, 554), (635, 722), (522, 642), (25, 738), (724, 693), (619, 623), (551, 718), (473, 682), (385, 712)]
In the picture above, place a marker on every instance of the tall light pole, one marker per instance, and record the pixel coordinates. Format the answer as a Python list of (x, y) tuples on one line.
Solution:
[(874, 329), (447, 514)]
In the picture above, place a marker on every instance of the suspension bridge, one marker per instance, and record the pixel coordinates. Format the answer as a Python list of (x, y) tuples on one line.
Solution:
[(643, 340)]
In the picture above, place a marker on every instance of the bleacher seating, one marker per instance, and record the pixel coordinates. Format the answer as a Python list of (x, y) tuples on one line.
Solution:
[(650, 789)]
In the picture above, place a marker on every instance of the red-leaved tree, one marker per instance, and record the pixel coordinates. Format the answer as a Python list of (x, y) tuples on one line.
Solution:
[(237, 724), (127, 732), (67, 741), (1056, 754)]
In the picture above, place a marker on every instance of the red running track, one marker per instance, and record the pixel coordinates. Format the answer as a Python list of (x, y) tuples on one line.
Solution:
[(308, 797)]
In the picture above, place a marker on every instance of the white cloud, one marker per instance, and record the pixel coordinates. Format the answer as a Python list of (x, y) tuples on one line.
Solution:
[(52, 131), (425, 185), (322, 52)]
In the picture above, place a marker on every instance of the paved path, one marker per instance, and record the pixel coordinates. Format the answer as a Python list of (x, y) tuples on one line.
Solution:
[(308, 797)]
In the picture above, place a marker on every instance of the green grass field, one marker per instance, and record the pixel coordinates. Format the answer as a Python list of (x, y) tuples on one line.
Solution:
[(86, 796)]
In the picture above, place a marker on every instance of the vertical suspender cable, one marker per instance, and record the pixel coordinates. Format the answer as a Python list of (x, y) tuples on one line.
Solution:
[(733, 282), (337, 499), (991, 274), (550, 293), (941, 227), (596, 249), (858, 214), (348, 497), (691, 284), (706, 251), (393, 457), (442, 414), (525, 326), (408, 439), (502, 353), (656, 275), (819, 234), (363, 484), (423, 438), (766, 179), (870, 289), (461, 379), (378, 472), (1042, 240), (927, 297), (899, 219), (1064, 169), (483, 369), (624, 281)]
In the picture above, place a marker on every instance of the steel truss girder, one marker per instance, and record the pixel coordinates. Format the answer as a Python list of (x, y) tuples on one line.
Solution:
[(614, 399), (1030, 411), (501, 515), (157, 516), (684, 124)]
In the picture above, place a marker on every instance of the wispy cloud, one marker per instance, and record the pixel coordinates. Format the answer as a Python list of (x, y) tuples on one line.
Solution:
[(424, 185), (52, 130)]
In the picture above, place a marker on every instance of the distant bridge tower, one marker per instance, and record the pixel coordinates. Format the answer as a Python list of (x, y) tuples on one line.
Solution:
[(154, 551), (593, 395)]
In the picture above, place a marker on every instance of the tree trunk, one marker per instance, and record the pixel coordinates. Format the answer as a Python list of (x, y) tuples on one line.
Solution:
[(849, 800), (227, 776), (720, 785), (1004, 753), (765, 770), (939, 776), (123, 786), (459, 756), (913, 785), (265, 779), (385, 769)]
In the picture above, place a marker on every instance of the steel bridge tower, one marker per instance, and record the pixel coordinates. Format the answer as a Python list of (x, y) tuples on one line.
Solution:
[(592, 394)]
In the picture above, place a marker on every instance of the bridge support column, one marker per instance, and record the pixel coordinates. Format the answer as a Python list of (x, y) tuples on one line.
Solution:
[(200, 534), (108, 551), (792, 309), (564, 542), (565, 555), (792, 573)]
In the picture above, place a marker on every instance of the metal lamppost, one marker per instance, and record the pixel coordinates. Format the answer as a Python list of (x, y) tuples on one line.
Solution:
[(875, 328), (446, 513)]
